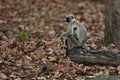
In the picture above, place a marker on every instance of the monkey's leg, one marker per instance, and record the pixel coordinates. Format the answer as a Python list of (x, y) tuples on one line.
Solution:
[(69, 45), (66, 43)]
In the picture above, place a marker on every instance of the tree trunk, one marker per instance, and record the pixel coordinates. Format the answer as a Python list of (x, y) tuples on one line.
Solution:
[(112, 22)]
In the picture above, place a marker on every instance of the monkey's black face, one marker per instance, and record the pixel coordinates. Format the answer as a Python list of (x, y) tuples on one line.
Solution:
[(69, 18)]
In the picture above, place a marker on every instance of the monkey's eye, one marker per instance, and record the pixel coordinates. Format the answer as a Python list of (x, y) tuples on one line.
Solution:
[(75, 28), (72, 17)]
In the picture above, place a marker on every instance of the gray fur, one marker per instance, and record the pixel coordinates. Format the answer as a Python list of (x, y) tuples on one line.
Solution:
[(76, 34), (77, 37)]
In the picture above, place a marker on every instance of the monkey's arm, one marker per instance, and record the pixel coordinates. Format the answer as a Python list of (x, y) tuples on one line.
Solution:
[(63, 34)]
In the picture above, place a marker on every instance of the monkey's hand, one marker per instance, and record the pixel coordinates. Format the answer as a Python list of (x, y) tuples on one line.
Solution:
[(61, 38), (62, 35)]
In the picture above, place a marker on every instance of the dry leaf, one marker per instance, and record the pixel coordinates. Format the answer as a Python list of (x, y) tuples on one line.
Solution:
[(78, 78), (3, 76), (114, 50), (17, 79)]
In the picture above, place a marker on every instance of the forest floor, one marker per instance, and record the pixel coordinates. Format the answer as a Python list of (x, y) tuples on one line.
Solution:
[(42, 55)]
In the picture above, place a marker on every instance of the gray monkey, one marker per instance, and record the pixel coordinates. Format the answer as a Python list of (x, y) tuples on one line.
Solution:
[(76, 34)]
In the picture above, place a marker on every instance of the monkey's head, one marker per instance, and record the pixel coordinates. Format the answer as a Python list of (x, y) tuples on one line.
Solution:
[(70, 18)]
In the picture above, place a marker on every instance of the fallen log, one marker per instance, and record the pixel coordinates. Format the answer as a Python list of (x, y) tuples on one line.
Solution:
[(105, 57)]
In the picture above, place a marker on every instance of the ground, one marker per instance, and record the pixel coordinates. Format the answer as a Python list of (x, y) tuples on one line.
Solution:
[(42, 55)]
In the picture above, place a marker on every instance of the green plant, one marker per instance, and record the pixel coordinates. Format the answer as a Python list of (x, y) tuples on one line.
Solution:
[(24, 35)]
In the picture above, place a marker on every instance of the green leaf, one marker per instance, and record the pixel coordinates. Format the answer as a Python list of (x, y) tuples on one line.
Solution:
[(24, 35)]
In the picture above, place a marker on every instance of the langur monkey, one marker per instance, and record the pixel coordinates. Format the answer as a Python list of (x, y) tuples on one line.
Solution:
[(76, 35)]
